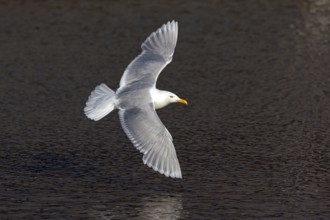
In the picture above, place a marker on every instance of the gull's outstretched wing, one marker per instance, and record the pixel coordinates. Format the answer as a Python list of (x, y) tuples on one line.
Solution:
[(148, 134), (157, 52)]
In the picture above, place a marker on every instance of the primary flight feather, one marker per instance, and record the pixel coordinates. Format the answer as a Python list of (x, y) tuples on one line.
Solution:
[(137, 99)]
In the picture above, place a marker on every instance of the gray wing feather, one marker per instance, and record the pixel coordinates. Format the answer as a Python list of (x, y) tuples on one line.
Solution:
[(148, 134), (157, 52)]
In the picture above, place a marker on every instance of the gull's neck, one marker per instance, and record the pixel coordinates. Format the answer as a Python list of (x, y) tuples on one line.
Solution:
[(159, 98)]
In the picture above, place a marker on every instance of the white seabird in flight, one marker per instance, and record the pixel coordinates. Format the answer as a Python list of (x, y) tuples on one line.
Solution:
[(137, 98)]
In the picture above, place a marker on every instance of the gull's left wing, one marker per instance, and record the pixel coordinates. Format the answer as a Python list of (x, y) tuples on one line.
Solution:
[(157, 52)]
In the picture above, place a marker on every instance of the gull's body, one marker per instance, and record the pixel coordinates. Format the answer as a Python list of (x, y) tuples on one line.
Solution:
[(137, 98)]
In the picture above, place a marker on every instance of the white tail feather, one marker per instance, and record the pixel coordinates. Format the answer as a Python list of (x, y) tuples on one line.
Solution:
[(100, 103)]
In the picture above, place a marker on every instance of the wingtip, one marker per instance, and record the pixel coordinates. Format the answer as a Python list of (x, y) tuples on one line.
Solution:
[(162, 41), (177, 175), (173, 24), (174, 174)]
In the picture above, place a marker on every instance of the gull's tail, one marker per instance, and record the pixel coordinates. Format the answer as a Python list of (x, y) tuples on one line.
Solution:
[(100, 103)]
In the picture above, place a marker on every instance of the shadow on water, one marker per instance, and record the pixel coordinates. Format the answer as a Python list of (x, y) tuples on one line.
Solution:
[(68, 186)]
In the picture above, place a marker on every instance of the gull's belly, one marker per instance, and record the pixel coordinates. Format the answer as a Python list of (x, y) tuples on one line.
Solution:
[(132, 98)]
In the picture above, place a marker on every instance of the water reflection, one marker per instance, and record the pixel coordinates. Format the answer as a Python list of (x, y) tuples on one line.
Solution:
[(163, 208), (316, 16), (316, 20), (159, 207)]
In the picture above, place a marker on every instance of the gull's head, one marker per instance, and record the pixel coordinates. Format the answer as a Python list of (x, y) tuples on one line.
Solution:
[(163, 98), (174, 98)]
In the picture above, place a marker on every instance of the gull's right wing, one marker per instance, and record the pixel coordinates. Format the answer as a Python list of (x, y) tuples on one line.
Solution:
[(149, 135)]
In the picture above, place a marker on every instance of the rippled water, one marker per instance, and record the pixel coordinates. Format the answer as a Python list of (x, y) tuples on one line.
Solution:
[(252, 144)]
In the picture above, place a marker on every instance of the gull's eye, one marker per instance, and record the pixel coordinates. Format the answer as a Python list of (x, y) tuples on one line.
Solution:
[(171, 96)]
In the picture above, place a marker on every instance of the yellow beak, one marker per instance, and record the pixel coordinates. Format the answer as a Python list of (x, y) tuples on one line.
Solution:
[(182, 101)]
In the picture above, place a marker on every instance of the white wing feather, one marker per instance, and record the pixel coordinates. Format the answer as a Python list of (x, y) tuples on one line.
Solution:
[(157, 52), (148, 134)]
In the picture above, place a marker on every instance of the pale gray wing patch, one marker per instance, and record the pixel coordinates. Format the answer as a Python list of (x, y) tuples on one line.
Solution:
[(148, 134), (157, 52), (145, 69), (163, 41)]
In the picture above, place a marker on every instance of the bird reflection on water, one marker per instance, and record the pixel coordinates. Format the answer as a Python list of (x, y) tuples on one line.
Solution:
[(164, 207)]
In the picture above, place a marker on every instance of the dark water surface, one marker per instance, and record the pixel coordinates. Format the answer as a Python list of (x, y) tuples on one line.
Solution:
[(254, 143)]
